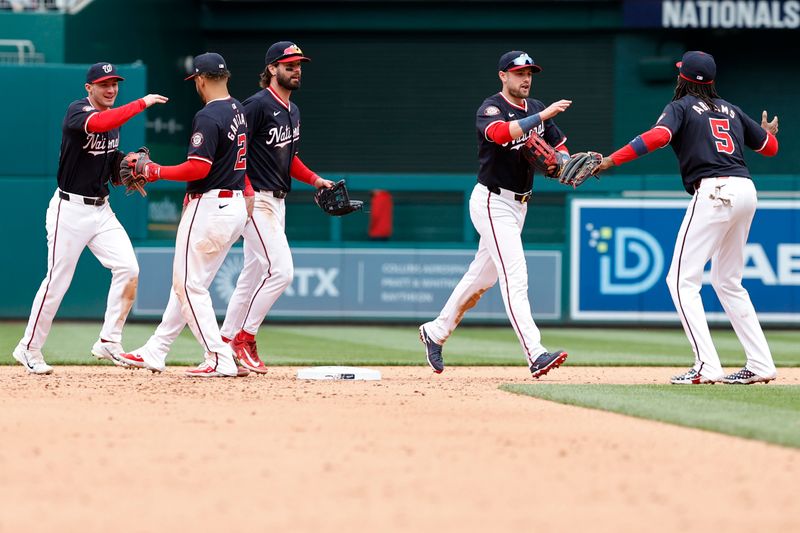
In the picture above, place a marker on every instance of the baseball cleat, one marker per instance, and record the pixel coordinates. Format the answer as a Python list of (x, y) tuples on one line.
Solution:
[(108, 351), (546, 362), (246, 354), (32, 360), (134, 360), (745, 377), (691, 377), (207, 371), (433, 351)]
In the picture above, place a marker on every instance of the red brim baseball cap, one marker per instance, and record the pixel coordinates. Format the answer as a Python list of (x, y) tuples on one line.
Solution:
[(291, 59)]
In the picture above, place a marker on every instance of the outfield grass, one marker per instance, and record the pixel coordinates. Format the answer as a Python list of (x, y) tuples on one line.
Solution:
[(70, 342), (769, 413)]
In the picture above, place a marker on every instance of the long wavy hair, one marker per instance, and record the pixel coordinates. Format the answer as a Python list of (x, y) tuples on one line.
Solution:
[(705, 92)]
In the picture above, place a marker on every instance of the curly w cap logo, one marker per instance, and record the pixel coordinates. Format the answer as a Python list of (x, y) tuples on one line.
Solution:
[(107, 68), (631, 259)]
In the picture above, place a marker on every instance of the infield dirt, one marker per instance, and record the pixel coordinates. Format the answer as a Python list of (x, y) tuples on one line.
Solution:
[(104, 449)]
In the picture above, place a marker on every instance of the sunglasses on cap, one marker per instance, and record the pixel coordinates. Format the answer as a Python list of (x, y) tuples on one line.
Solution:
[(522, 61)]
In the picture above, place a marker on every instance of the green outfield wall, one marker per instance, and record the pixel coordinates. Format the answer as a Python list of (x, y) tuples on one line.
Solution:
[(388, 102)]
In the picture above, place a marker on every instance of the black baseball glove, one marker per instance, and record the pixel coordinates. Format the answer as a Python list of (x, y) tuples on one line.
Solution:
[(579, 168), (335, 201)]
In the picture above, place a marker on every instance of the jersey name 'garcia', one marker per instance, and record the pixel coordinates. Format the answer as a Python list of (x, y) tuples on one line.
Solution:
[(219, 137), (708, 142), (85, 161), (504, 165), (274, 140)]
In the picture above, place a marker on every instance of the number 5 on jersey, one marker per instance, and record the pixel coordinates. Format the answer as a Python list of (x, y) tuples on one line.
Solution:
[(721, 130)]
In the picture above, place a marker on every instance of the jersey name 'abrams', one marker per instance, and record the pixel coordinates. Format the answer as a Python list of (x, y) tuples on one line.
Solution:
[(713, 146), (219, 137), (503, 165), (86, 158), (275, 128)]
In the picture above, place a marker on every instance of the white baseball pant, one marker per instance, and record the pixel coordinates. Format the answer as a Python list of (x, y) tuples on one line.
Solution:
[(499, 220), (715, 227), (71, 226), (268, 267), (209, 226)]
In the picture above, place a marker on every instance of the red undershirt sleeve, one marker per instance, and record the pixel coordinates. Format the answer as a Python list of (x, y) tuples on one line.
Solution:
[(248, 187), (770, 146), (301, 172), (499, 132), (114, 118), (645, 143), (189, 170)]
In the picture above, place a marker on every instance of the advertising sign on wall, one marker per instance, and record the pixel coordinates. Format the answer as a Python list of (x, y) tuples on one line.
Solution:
[(621, 251), (379, 284)]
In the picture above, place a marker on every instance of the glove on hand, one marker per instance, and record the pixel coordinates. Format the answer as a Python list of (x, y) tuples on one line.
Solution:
[(133, 171), (579, 167), (335, 201), (544, 157)]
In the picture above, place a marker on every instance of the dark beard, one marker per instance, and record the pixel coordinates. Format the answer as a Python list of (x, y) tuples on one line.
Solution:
[(518, 93), (286, 83)]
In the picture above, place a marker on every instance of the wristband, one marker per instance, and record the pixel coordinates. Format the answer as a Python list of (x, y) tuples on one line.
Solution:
[(528, 123)]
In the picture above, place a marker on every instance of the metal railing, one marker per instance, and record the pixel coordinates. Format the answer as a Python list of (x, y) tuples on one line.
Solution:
[(24, 51), (69, 6)]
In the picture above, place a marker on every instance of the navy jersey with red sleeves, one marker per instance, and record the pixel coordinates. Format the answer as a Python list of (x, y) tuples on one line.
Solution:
[(84, 165), (504, 165), (219, 137), (274, 140), (710, 142)]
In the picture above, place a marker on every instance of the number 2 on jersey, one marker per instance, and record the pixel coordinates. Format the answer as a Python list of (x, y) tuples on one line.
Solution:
[(721, 130), (241, 155)]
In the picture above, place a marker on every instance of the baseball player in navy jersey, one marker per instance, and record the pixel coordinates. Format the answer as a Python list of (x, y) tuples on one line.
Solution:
[(497, 207), (212, 220), (708, 135), (274, 123), (79, 215)]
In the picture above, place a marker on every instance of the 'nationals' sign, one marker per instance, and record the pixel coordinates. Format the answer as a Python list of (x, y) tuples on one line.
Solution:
[(756, 14)]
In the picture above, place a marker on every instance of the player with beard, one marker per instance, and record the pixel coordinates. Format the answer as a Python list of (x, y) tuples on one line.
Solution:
[(497, 207), (272, 161)]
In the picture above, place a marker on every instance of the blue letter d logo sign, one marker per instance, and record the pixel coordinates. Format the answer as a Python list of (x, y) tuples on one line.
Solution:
[(646, 263)]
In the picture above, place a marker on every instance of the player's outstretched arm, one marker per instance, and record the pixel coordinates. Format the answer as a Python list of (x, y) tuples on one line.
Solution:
[(518, 128), (114, 118), (152, 99)]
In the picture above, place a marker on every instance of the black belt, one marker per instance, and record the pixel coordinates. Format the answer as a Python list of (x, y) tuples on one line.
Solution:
[(276, 194), (86, 199), (521, 198)]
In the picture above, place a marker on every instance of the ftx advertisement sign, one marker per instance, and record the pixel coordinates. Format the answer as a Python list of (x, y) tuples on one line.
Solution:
[(621, 250)]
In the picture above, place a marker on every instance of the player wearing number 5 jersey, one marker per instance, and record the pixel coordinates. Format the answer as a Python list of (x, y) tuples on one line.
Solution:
[(708, 135), (213, 219)]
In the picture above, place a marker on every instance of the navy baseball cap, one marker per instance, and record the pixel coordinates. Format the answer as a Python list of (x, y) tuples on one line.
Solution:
[(101, 72), (516, 60), (697, 67), (284, 52), (208, 63)]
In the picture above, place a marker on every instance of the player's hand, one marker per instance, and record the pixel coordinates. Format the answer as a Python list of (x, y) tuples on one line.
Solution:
[(322, 182), (249, 203), (152, 171), (554, 109), (771, 127), (605, 164), (151, 99)]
